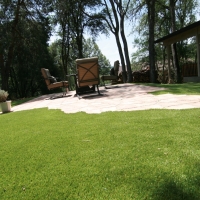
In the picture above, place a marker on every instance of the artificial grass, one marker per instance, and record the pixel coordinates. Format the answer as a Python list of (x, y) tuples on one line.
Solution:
[(183, 88), (153, 154)]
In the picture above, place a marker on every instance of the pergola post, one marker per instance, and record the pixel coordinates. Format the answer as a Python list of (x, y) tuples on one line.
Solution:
[(180, 35), (169, 67), (198, 53)]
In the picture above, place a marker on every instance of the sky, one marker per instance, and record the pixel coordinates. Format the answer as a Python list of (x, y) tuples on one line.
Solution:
[(108, 46)]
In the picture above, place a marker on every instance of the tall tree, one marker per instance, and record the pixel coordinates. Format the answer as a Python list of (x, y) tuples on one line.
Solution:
[(17, 19), (10, 15), (172, 7), (122, 10), (74, 19), (151, 23), (113, 25), (146, 11), (115, 12)]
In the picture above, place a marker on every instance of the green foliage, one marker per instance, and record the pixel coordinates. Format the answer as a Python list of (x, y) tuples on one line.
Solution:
[(73, 19), (46, 154), (185, 15), (91, 49), (24, 46), (30, 55)]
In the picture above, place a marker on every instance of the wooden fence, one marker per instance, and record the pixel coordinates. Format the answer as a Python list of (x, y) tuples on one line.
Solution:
[(189, 69)]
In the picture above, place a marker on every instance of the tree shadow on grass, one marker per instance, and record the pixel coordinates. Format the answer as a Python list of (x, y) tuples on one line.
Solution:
[(171, 191)]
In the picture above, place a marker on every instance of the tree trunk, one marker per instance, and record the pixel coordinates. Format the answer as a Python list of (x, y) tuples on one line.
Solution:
[(2, 70), (121, 57), (163, 68), (126, 52), (173, 46), (151, 21), (116, 33), (79, 40), (63, 48)]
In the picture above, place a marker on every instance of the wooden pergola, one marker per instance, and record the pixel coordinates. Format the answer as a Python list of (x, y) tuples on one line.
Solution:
[(193, 30)]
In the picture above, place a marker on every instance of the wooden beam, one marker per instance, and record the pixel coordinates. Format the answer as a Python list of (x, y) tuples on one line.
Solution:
[(183, 36)]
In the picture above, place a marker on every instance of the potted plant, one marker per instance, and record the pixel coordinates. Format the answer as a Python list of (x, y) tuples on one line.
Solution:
[(5, 105)]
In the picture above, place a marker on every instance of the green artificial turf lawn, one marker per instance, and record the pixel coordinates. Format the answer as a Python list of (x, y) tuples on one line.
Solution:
[(47, 154), (183, 88)]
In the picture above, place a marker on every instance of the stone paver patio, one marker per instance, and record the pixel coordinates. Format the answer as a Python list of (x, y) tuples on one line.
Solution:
[(123, 97)]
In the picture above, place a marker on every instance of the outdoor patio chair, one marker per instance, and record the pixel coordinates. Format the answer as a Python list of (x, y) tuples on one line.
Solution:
[(112, 78), (87, 76), (114, 74), (52, 83)]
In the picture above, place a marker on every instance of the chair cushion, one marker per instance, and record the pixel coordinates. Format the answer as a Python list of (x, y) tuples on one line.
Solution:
[(52, 79)]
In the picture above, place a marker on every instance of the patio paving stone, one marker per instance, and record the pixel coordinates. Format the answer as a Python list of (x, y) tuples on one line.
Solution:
[(122, 97)]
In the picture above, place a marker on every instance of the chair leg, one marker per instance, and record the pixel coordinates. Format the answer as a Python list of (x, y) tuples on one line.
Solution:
[(76, 90), (98, 90), (64, 91), (102, 78), (104, 84), (64, 88)]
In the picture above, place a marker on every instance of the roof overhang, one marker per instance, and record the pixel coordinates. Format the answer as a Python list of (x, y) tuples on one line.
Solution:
[(182, 34)]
